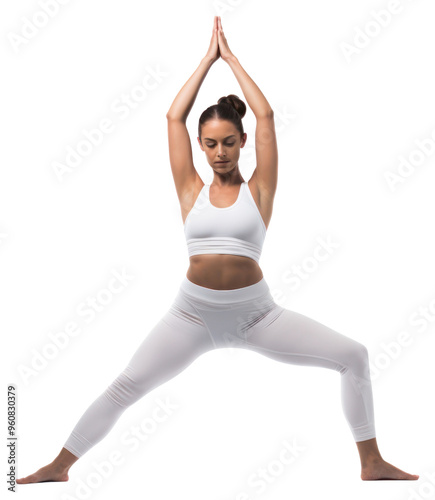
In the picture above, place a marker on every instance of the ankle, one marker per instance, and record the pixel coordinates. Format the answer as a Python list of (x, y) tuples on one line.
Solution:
[(60, 466), (371, 460), (64, 460)]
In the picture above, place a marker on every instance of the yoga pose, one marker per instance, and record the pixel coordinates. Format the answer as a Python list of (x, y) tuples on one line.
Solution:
[(224, 300)]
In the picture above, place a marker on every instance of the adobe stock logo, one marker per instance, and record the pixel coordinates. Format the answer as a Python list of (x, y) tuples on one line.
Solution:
[(406, 167), (298, 274), (363, 37), (86, 311), (103, 470), (32, 27), (392, 350), (268, 473), (122, 107)]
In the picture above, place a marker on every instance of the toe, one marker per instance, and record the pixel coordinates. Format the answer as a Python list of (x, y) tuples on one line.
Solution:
[(28, 479)]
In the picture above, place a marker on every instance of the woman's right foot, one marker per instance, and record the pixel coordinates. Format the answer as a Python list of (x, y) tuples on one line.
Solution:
[(44, 474)]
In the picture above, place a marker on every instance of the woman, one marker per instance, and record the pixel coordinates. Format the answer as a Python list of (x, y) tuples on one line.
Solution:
[(224, 299)]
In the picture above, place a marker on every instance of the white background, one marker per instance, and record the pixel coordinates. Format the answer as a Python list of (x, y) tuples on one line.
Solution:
[(342, 122)]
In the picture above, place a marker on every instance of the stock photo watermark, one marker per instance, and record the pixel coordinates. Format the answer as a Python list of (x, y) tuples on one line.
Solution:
[(406, 166), (32, 25), (87, 310), (222, 6), (393, 349), (282, 120), (93, 137), (267, 474), (130, 441), (425, 490), (295, 276), (3, 238), (378, 22)]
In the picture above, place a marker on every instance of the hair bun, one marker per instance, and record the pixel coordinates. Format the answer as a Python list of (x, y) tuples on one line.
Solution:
[(235, 102)]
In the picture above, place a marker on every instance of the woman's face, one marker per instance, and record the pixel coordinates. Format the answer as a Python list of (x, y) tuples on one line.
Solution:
[(221, 142)]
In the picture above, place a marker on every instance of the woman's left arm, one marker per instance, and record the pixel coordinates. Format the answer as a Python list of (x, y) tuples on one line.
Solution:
[(266, 171)]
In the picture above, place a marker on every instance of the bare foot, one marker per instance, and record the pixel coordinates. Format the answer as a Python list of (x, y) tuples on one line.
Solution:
[(45, 474), (380, 469)]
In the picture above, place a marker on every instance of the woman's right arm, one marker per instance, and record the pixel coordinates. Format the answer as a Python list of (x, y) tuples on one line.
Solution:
[(183, 103), (180, 148), (186, 177)]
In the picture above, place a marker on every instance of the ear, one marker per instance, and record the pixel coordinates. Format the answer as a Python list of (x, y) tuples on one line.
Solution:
[(243, 140), (200, 145)]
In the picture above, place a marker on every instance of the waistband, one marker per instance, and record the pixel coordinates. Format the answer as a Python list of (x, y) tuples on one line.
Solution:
[(249, 292)]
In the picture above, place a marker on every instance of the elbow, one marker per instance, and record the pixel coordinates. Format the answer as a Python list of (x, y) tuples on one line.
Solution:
[(268, 113), (173, 117)]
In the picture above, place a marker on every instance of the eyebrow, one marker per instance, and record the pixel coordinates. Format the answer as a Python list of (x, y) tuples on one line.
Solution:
[(210, 139)]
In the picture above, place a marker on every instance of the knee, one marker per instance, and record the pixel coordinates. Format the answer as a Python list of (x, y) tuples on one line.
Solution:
[(122, 391), (357, 356), (361, 350)]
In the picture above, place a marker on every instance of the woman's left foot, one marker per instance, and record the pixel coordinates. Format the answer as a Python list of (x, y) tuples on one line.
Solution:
[(379, 469)]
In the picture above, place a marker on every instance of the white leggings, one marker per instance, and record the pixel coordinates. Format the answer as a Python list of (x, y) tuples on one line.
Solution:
[(201, 319)]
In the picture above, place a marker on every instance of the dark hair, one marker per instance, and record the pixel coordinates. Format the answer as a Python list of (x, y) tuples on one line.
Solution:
[(229, 108)]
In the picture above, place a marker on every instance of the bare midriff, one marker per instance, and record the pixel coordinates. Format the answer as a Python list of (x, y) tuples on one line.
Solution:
[(223, 272)]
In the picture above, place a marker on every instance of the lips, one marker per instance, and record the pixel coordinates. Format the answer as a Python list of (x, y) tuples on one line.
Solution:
[(221, 162)]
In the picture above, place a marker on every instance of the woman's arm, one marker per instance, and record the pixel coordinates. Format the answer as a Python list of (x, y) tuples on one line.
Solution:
[(184, 100), (186, 177), (265, 174), (183, 170), (255, 98)]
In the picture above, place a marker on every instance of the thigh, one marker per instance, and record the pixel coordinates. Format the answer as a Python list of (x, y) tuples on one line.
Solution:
[(175, 341), (295, 338)]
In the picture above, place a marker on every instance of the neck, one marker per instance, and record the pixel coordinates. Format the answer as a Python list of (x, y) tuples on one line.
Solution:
[(229, 179)]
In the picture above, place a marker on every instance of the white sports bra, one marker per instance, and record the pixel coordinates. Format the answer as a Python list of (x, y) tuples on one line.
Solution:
[(237, 230)]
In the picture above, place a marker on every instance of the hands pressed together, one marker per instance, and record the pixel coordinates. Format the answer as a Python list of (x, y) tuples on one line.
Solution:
[(218, 45)]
